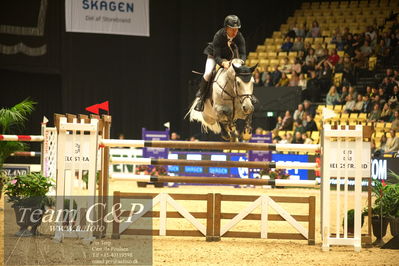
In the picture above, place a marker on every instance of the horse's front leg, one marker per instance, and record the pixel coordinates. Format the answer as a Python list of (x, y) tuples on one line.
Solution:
[(234, 135), (247, 133)]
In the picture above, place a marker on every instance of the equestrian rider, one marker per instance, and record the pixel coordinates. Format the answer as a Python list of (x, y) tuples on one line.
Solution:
[(228, 43)]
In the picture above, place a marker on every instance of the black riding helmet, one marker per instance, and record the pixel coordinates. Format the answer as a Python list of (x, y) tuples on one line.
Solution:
[(232, 21)]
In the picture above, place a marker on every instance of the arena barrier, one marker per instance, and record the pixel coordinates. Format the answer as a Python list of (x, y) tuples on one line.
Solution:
[(213, 215)]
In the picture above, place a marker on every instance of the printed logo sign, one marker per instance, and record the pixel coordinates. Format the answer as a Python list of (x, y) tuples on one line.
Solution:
[(122, 17)]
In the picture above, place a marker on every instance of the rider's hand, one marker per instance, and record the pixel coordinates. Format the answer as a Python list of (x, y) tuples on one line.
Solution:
[(225, 64)]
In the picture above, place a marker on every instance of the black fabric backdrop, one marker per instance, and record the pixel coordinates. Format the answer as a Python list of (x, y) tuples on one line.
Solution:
[(146, 79)]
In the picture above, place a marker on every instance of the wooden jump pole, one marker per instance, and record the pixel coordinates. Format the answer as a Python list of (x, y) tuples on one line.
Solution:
[(275, 165), (29, 138), (210, 145), (217, 180)]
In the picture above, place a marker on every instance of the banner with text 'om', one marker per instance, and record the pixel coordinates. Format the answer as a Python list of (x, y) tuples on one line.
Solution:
[(123, 17)]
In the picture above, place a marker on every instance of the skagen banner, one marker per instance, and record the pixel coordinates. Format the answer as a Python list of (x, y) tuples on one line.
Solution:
[(124, 17)]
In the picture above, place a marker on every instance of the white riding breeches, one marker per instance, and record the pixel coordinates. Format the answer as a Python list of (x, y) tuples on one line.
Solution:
[(209, 66)]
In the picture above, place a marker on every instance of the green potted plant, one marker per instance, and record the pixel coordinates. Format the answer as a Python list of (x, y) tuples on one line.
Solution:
[(393, 198), (11, 120), (386, 207), (351, 220), (27, 193)]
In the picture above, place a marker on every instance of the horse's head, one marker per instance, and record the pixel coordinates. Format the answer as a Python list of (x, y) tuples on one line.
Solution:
[(244, 85)]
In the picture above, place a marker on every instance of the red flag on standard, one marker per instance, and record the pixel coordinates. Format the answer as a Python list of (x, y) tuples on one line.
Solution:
[(104, 106), (93, 109)]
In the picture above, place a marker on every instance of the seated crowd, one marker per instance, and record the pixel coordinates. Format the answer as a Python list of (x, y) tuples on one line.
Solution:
[(314, 67)]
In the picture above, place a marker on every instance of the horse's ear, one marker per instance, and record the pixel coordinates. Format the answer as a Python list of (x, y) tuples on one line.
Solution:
[(236, 69), (253, 67)]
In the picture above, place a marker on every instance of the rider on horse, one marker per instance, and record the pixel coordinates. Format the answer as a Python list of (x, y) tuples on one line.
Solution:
[(228, 43)]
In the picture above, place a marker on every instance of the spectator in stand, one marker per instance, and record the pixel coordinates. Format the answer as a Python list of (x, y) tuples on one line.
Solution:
[(339, 66), (348, 69), (291, 32), (374, 92), (359, 60), (333, 96), (381, 50), (301, 56), (338, 41), (298, 45), (297, 66), (275, 137), (395, 121), (266, 78), (345, 34), (371, 34), (289, 137), (306, 139), (352, 92), (297, 138), (315, 30), (325, 73), (294, 80), (283, 81), (301, 32), (386, 113), (313, 90), (383, 143), (392, 142), (298, 113), (174, 136), (287, 121), (348, 45), (285, 66), (375, 113), (344, 93), (393, 99), (387, 84), (368, 91), (302, 82), (275, 76), (382, 94), (333, 58), (359, 104), (366, 104), (279, 123), (349, 105), (310, 60), (309, 108), (310, 124), (257, 78), (298, 126), (287, 44), (366, 49), (319, 52)]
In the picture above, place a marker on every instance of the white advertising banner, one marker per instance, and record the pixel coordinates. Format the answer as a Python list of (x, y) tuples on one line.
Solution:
[(123, 17)]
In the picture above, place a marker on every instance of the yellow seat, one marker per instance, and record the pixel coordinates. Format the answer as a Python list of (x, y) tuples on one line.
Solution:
[(262, 55), (261, 48), (353, 117), (372, 63), (272, 55), (252, 55), (337, 79), (282, 55), (362, 117), (269, 41), (338, 108)]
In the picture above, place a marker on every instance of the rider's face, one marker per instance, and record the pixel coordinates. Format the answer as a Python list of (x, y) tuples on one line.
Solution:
[(231, 32)]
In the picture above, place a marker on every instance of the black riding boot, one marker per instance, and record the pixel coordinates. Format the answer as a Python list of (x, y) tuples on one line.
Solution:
[(201, 94)]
